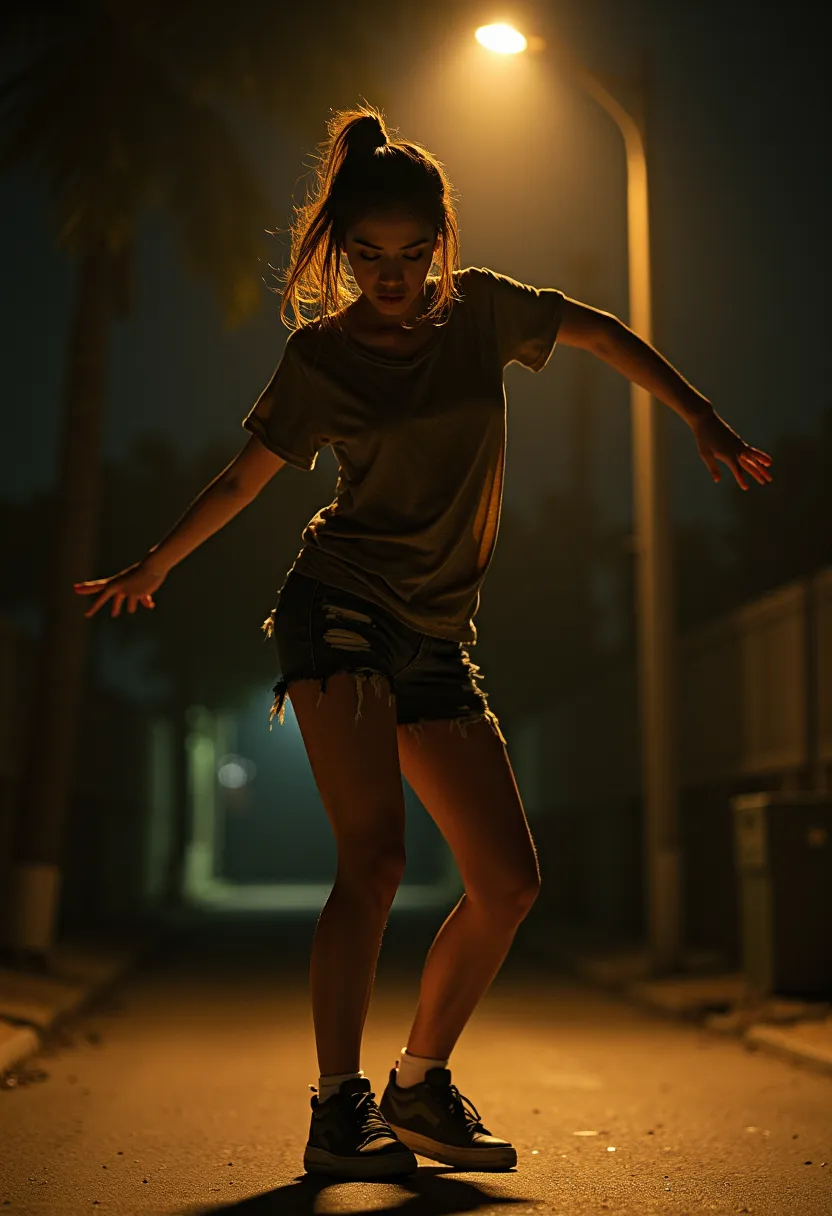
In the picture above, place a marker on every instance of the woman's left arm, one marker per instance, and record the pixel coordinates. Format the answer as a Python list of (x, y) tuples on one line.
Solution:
[(609, 339)]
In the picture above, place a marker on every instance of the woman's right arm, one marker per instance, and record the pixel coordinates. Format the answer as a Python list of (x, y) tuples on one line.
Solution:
[(222, 499)]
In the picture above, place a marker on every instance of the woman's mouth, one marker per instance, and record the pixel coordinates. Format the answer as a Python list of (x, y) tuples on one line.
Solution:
[(391, 299)]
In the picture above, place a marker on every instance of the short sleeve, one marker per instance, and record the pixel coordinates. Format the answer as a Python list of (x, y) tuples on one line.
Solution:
[(283, 417), (526, 319)]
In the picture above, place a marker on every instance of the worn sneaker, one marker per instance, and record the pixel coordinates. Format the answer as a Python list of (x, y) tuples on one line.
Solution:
[(349, 1138), (437, 1121)]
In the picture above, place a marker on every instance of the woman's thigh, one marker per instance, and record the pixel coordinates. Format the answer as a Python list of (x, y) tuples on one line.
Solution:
[(454, 756), (356, 769), (338, 656), (467, 785)]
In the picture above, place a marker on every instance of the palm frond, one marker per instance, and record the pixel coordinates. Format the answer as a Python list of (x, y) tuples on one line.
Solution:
[(216, 203), (111, 132), (118, 105)]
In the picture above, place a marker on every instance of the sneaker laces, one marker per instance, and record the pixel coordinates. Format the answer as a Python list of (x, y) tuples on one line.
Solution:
[(373, 1123), (457, 1106)]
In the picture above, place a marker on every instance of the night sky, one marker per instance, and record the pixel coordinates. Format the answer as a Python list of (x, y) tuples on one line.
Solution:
[(740, 207)]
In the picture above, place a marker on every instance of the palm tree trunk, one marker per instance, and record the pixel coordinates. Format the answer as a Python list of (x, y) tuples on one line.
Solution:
[(53, 729)]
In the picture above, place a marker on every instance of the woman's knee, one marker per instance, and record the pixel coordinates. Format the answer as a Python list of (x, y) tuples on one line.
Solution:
[(508, 902), (371, 868)]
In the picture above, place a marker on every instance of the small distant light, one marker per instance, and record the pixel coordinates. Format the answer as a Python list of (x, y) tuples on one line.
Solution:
[(501, 38), (232, 776), (610, 1149), (234, 772)]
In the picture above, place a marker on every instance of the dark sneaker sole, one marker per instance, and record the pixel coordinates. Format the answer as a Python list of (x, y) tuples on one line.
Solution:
[(362, 1165), (487, 1158)]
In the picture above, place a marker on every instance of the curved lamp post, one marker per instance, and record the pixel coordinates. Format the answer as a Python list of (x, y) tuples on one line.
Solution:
[(652, 536)]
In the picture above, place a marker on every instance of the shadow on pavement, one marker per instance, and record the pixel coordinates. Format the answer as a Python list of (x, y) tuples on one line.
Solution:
[(433, 1191)]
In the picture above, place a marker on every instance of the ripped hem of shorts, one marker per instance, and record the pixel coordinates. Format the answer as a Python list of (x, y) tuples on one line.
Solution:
[(361, 674), (377, 679), (462, 723)]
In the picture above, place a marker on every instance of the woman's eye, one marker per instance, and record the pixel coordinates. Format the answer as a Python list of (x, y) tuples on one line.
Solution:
[(408, 257)]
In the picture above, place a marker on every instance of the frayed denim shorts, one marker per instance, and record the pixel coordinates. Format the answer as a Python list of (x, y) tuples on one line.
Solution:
[(321, 631)]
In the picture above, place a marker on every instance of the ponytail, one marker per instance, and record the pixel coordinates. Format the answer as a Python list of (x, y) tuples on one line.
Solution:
[(360, 169)]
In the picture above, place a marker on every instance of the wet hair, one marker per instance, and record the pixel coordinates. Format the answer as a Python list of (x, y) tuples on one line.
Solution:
[(362, 171)]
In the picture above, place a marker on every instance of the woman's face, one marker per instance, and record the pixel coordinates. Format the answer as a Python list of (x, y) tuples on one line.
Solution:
[(390, 256)]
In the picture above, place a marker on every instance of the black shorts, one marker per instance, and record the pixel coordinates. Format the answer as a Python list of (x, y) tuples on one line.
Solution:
[(321, 631)]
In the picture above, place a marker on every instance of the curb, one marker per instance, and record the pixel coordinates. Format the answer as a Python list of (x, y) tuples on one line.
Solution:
[(808, 1044), (32, 1005), (799, 1032), (17, 1043)]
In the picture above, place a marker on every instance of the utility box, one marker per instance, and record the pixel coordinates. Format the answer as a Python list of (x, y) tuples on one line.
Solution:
[(784, 867)]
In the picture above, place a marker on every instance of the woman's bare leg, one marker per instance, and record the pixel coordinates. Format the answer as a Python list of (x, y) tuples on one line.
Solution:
[(355, 763), (467, 786)]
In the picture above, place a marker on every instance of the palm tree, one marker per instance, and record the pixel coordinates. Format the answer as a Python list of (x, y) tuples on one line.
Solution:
[(107, 106)]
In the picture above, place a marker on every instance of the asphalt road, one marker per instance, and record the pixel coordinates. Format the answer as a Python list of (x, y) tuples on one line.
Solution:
[(187, 1092)]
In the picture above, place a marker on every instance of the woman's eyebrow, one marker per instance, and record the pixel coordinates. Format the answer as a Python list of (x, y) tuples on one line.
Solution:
[(423, 241)]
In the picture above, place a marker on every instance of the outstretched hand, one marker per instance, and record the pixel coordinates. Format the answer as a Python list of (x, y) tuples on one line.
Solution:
[(136, 584), (717, 441)]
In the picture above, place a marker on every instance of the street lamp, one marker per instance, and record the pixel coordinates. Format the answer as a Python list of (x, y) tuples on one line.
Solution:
[(501, 38), (652, 536)]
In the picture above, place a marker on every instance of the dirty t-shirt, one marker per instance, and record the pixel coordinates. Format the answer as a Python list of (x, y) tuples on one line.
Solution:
[(420, 444)]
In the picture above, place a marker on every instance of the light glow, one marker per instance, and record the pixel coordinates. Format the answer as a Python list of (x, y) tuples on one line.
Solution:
[(501, 38), (235, 771)]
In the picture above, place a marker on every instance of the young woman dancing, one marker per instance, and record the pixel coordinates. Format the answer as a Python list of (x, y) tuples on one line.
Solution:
[(396, 361)]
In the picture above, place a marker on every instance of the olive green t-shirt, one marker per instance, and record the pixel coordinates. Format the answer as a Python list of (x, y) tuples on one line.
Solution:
[(420, 444)]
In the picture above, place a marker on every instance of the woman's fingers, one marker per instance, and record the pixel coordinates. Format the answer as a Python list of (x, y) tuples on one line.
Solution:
[(102, 585), (100, 602), (732, 462), (717, 441), (116, 589), (735, 469), (744, 463), (746, 459), (754, 466), (118, 597), (711, 464)]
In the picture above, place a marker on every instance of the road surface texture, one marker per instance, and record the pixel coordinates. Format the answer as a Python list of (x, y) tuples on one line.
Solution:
[(186, 1091)]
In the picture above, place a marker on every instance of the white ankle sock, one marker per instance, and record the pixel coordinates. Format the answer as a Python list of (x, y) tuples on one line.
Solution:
[(411, 1069), (327, 1086)]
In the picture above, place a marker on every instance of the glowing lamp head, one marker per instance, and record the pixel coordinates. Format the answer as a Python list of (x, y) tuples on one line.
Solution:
[(502, 39)]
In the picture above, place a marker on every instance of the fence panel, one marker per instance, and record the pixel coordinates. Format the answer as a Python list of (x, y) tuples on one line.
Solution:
[(772, 635), (823, 651)]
